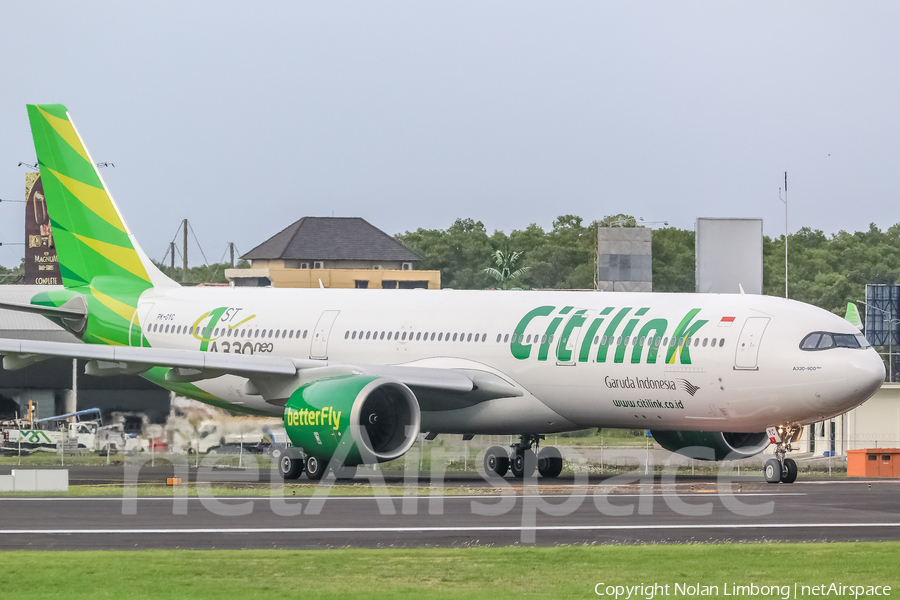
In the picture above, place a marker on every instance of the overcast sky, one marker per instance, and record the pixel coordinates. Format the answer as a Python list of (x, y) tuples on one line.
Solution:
[(244, 117)]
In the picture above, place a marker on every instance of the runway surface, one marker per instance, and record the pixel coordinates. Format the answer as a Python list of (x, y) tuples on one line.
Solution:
[(596, 511)]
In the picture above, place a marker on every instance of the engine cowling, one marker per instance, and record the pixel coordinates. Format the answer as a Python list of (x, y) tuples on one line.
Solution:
[(724, 445), (359, 419)]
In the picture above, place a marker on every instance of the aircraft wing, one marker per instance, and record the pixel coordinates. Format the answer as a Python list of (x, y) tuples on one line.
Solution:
[(273, 376)]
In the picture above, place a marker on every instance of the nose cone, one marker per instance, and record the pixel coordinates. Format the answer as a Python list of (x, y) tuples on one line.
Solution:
[(865, 374)]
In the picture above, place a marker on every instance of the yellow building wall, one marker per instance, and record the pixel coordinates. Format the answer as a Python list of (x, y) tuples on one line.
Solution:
[(334, 278)]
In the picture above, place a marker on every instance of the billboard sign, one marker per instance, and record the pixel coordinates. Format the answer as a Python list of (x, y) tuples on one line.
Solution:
[(41, 263), (729, 254)]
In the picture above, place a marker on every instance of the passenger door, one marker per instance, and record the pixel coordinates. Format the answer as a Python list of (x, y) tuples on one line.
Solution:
[(745, 357), (319, 345)]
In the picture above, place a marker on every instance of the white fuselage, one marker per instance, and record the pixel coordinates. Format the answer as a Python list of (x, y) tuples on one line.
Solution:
[(757, 377)]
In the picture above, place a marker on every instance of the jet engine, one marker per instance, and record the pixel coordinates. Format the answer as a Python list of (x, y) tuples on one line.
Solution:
[(724, 445), (356, 419)]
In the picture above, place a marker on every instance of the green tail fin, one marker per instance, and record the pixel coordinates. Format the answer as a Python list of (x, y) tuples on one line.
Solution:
[(91, 237), (853, 316)]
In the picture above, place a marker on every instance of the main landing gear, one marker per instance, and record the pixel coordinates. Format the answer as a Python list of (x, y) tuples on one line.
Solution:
[(781, 469), (524, 457), (292, 464)]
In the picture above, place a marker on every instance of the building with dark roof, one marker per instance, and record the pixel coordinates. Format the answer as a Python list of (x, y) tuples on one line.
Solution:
[(343, 252)]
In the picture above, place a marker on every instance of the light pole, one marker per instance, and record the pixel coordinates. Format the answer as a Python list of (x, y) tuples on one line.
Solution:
[(785, 234)]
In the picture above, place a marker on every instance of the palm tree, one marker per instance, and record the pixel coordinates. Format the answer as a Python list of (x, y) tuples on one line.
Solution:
[(504, 273)]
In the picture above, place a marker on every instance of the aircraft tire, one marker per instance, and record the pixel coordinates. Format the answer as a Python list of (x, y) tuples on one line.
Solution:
[(290, 465), (315, 468), (772, 471), (496, 461), (549, 462), (790, 471), (522, 464)]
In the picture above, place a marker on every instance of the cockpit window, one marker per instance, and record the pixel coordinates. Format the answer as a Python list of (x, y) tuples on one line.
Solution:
[(810, 342), (821, 340), (826, 342), (845, 340)]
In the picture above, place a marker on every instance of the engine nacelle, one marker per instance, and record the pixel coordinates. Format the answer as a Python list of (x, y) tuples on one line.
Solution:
[(729, 446), (360, 419)]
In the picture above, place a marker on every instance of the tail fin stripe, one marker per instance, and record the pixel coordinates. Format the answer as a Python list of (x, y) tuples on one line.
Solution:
[(120, 308), (65, 131), (95, 199), (124, 258)]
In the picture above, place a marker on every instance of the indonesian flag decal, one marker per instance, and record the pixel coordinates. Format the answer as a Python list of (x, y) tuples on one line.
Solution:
[(726, 322)]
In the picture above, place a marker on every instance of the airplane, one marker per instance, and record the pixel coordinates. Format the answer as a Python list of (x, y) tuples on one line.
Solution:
[(358, 375)]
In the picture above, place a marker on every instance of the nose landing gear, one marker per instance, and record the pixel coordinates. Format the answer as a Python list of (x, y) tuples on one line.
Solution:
[(525, 456), (781, 469)]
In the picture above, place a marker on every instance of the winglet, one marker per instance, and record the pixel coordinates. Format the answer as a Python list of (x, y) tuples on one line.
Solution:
[(852, 316), (321, 287), (740, 287)]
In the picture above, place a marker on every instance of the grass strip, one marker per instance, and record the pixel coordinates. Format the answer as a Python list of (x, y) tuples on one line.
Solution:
[(473, 572)]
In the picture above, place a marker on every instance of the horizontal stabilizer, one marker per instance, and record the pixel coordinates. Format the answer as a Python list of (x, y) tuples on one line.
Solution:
[(60, 312)]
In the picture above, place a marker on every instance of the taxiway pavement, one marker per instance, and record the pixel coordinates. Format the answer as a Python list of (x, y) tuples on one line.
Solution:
[(598, 510)]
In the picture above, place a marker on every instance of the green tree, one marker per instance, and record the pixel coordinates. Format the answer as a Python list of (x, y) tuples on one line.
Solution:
[(12, 276), (214, 273), (673, 260), (461, 253), (505, 263)]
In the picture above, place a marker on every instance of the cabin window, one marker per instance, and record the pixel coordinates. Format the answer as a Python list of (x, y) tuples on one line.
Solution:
[(483, 338), (596, 339), (665, 341), (704, 342), (512, 339), (499, 337), (167, 329), (276, 333), (419, 336), (454, 337), (696, 342), (432, 336), (291, 334), (347, 335), (404, 336), (721, 342), (389, 335), (382, 336), (440, 336), (505, 338), (469, 339)]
